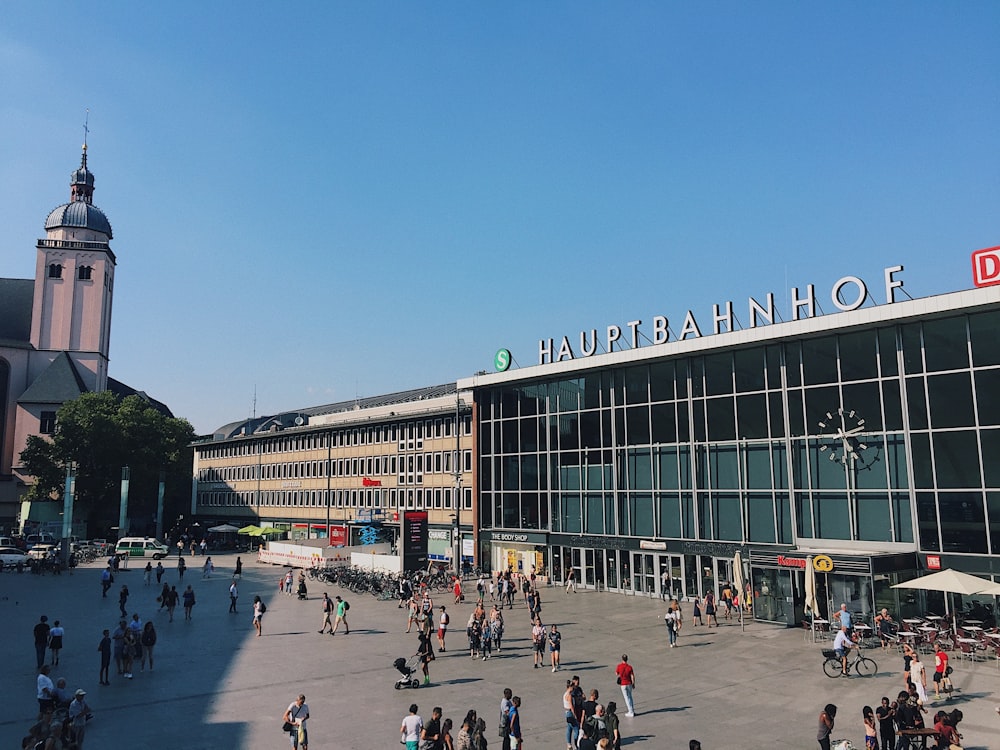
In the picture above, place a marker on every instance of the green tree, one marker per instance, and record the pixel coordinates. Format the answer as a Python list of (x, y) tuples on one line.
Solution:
[(101, 433)]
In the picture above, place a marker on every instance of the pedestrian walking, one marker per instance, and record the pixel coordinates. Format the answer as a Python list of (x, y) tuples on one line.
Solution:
[(555, 642), (613, 725), (188, 597), (41, 635), (147, 640), (295, 718), (44, 690), (159, 572), (147, 574), (430, 734), (130, 650), (457, 590), (327, 607), (106, 580), (826, 717), (118, 639), (426, 653), (208, 568), (505, 704), (104, 647), (626, 678), (515, 723), (918, 677), (571, 581), (443, 621), (342, 608), (572, 715), (710, 609), (673, 621), (123, 599), (696, 612), (288, 583), (259, 608), (411, 728), (172, 598), (181, 567), (234, 594), (239, 568), (56, 634), (538, 643)]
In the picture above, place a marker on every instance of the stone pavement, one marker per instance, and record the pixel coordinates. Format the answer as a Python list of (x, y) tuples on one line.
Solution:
[(216, 685)]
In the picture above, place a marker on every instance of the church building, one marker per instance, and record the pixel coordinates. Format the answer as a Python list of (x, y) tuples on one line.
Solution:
[(55, 331)]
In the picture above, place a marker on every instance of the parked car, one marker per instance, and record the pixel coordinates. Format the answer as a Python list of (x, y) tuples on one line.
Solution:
[(134, 546), (11, 557), (34, 539), (41, 551)]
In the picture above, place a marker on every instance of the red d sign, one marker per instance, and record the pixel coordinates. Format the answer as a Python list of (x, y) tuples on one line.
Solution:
[(986, 266)]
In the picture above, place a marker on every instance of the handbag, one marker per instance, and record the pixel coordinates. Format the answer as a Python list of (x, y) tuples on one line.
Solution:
[(288, 727)]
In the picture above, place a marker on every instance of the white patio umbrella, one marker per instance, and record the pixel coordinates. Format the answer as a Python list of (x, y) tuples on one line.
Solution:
[(951, 582), (225, 528), (740, 585), (810, 591)]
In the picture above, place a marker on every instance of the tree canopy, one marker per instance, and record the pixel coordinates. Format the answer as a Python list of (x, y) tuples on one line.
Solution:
[(101, 433)]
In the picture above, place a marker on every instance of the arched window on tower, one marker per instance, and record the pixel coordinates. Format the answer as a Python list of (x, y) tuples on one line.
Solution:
[(55, 271), (84, 273)]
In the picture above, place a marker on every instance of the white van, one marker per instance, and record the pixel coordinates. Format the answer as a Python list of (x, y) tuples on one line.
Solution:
[(135, 546)]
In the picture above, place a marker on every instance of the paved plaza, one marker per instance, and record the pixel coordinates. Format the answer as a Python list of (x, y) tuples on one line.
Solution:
[(216, 685)]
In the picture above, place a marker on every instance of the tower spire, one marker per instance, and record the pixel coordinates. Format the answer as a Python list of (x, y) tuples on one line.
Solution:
[(82, 180)]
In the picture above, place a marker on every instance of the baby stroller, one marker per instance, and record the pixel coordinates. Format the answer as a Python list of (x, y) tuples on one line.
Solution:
[(407, 669), (302, 592)]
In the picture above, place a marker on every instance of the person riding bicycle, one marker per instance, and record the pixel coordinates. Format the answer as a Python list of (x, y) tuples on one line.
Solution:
[(842, 644)]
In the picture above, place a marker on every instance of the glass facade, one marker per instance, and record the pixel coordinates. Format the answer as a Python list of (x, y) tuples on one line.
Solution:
[(881, 438)]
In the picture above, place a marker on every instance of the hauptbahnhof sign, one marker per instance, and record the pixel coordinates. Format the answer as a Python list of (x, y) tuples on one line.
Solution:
[(848, 293)]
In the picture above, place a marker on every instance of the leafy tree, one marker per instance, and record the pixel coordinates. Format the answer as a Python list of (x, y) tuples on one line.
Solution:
[(102, 434)]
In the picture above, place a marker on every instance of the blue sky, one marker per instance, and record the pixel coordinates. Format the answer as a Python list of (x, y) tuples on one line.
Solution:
[(323, 200)]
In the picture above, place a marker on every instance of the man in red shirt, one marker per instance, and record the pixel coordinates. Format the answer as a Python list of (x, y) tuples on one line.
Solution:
[(941, 672), (626, 678)]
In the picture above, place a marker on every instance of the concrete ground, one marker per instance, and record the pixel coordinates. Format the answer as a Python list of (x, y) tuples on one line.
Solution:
[(216, 685)]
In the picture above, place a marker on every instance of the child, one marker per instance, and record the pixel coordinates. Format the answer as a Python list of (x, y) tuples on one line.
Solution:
[(868, 716)]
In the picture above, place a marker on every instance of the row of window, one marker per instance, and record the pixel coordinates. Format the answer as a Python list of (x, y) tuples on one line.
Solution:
[(407, 435), (404, 466), (83, 273), (932, 346), (404, 499)]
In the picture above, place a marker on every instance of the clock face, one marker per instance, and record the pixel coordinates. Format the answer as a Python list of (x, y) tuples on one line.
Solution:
[(844, 430)]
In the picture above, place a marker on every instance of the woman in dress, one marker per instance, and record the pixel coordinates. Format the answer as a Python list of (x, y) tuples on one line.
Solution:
[(56, 633), (710, 609), (696, 612), (148, 640)]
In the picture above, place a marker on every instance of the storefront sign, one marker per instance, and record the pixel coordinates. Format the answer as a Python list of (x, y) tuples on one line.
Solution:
[(439, 534), (366, 482), (986, 266), (645, 544), (791, 562), (822, 563), (519, 537), (933, 562), (502, 360), (848, 293)]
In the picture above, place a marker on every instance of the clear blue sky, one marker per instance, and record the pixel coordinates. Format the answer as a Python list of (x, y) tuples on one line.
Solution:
[(331, 199)]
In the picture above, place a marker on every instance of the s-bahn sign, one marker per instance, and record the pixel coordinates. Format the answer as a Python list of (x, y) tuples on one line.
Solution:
[(848, 293)]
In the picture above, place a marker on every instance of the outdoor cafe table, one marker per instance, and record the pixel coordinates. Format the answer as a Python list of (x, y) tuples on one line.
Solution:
[(923, 734), (973, 622), (973, 628), (934, 617), (913, 621), (906, 634)]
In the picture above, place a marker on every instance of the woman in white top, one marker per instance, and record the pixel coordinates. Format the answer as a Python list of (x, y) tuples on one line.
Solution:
[(918, 676)]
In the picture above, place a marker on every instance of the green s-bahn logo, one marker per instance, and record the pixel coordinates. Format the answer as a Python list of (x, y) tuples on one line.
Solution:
[(501, 360)]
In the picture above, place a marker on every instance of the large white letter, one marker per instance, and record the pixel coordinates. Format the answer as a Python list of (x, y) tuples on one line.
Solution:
[(726, 318), (765, 313), (841, 283), (690, 326), (565, 352), (809, 302), (614, 333), (661, 329), (634, 325), (891, 283), (584, 350), (544, 351)]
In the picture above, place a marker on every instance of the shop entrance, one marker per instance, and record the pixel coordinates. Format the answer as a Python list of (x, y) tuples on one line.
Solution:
[(671, 576)]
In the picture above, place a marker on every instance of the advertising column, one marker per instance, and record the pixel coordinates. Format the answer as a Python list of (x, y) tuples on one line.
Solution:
[(414, 540)]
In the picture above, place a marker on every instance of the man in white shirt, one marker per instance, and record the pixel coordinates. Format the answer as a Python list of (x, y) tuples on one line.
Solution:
[(45, 690), (297, 714), (842, 644), (412, 724)]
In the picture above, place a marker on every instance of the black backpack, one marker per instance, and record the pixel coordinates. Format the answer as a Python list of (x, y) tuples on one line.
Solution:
[(347, 606), (263, 608)]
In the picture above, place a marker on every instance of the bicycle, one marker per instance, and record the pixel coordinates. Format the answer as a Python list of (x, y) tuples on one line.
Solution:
[(833, 667)]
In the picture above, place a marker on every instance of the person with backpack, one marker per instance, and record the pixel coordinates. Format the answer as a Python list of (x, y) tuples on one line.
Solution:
[(259, 608), (342, 608), (613, 725)]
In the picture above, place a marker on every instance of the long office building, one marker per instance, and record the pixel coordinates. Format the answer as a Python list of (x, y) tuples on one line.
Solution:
[(865, 441)]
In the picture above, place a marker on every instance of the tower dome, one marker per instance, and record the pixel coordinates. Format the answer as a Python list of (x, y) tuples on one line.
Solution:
[(80, 212)]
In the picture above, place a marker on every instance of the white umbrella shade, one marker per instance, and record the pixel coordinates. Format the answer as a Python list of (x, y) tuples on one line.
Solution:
[(739, 584), (225, 528), (952, 581), (810, 591)]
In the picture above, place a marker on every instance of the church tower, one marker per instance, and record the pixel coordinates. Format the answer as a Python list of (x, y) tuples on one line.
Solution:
[(74, 284)]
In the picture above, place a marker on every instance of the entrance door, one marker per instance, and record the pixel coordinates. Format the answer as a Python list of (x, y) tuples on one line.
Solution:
[(588, 568), (670, 576), (723, 573), (644, 573)]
